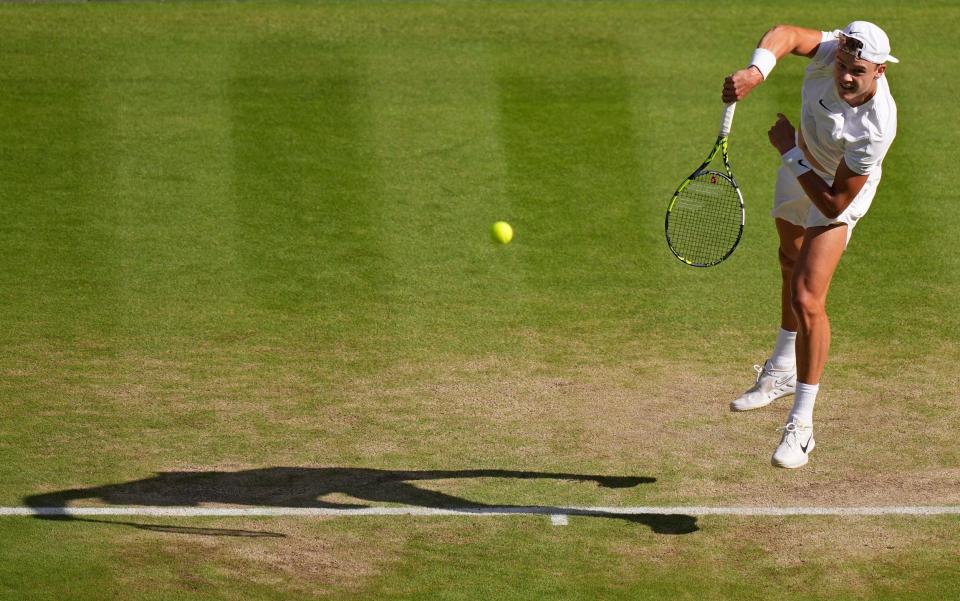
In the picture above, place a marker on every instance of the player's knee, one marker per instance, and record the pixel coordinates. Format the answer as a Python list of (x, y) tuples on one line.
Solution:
[(787, 260), (806, 305)]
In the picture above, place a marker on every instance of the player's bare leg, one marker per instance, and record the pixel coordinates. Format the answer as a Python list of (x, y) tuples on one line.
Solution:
[(791, 240), (776, 378), (812, 273), (821, 251)]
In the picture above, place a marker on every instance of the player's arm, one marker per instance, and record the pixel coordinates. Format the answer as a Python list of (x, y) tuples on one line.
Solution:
[(774, 45), (831, 200)]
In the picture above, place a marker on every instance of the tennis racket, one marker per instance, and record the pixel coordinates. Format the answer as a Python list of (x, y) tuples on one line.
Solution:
[(705, 217)]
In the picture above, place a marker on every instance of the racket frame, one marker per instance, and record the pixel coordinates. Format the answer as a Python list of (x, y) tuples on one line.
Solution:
[(719, 147)]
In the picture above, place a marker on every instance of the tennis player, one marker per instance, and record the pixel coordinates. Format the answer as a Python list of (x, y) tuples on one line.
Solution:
[(831, 167)]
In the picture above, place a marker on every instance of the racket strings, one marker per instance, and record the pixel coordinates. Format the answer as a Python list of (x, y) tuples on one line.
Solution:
[(707, 219)]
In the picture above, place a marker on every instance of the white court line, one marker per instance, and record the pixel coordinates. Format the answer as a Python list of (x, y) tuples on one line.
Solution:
[(474, 511)]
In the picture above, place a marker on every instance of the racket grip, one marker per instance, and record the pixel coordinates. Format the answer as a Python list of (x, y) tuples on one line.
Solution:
[(727, 120)]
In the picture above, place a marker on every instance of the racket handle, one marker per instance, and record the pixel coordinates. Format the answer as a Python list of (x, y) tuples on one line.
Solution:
[(727, 120)]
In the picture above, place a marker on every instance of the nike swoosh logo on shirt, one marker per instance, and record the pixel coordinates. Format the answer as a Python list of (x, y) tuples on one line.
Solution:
[(802, 164), (823, 105)]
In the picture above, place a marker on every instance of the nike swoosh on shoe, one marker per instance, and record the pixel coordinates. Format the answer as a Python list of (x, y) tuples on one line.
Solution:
[(783, 380)]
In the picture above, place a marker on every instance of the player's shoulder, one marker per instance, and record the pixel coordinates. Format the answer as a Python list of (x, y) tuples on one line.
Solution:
[(884, 107), (876, 121), (821, 61), (869, 133), (884, 95), (827, 49)]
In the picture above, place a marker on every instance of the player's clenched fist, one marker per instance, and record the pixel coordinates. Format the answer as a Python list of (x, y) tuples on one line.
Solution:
[(737, 86), (782, 135)]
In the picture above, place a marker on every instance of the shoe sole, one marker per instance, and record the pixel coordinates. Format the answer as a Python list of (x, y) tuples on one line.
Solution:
[(735, 407), (806, 459)]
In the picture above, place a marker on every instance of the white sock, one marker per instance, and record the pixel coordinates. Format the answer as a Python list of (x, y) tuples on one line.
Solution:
[(803, 401), (784, 356)]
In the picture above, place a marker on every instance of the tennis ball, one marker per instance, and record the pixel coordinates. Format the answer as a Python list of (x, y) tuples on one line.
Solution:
[(502, 232)]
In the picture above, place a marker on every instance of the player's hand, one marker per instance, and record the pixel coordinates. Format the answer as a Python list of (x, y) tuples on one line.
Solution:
[(737, 86), (782, 135)]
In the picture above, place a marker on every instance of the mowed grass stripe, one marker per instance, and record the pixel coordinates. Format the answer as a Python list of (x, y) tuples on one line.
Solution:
[(171, 190), (312, 264), (568, 130), (441, 184), (564, 134), (56, 231)]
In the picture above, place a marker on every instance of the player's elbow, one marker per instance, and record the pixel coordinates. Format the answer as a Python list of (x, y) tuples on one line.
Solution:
[(835, 207), (777, 33), (784, 32), (790, 39), (830, 209), (781, 29)]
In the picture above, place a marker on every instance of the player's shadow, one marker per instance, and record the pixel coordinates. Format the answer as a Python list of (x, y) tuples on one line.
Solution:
[(303, 487)]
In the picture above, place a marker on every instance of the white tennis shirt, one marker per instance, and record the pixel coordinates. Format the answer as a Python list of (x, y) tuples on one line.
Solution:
[(832, 129)]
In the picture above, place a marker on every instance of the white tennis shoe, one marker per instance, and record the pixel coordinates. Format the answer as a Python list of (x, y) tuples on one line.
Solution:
[(795, 446), (771, 384)]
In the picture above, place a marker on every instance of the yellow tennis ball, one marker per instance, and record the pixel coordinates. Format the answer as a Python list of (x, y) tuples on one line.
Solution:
[(502, 232)]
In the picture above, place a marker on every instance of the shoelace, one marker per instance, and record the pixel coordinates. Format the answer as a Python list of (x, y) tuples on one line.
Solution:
[(761, 369), (793, 428)]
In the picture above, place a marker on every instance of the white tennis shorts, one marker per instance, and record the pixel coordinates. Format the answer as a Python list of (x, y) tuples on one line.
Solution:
[(792, 204)]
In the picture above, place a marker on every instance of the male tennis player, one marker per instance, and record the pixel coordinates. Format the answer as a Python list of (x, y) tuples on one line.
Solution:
[(830, 171)]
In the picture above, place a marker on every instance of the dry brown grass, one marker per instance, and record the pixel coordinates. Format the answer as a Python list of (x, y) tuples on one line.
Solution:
[(654, 419), (279, 554), (796, 553), (884, 438)]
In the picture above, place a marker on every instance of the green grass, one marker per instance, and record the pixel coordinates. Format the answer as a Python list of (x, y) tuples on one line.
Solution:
[(244, 236), (454, 558)]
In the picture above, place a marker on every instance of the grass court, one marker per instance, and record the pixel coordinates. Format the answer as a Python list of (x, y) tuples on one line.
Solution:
[(245, 262)]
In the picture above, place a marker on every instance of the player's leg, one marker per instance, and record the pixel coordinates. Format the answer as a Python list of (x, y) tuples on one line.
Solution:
[(791, 240), (776, 378), (816, 264), (824, 242), (813, 271)]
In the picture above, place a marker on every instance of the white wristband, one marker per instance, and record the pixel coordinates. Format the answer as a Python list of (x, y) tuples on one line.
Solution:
[(794, 160), (764, 60)]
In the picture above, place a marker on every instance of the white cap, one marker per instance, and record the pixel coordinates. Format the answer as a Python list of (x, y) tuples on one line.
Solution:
[(876, 44)]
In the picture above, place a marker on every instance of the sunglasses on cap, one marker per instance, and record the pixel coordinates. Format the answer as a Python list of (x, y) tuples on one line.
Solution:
[(851, 46)]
